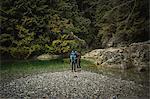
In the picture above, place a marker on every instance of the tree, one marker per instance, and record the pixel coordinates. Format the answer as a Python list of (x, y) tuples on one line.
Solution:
[(39, 26)]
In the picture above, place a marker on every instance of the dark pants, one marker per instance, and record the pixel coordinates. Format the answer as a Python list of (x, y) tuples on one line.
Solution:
[(73, 65), (78, 63)]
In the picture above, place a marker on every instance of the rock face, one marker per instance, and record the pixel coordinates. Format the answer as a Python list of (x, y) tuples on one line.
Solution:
[(48, 57), (135, 55), (139, 53)]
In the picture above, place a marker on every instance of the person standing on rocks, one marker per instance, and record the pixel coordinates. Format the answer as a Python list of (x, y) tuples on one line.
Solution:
[(78, 59), (73, 58)]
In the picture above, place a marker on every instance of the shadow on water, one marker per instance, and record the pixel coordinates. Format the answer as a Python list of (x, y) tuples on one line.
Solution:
[(130, 74)]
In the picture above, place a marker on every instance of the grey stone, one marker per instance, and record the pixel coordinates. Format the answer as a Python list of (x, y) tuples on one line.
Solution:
[(84, 85), (135, 55)]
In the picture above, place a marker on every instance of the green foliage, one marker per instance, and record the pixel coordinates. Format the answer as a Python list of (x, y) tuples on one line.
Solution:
[(57, 24), (122, 20), (40, 26), (23, 47), (63, 45)]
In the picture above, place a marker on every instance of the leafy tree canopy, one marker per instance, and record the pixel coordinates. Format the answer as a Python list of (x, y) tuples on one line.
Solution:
[(33, 27)]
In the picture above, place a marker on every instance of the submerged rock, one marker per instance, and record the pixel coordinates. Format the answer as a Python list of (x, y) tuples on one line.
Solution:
[(48, 57)]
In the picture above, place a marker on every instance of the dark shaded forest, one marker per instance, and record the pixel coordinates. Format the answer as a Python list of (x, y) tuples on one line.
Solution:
[(34, 27)]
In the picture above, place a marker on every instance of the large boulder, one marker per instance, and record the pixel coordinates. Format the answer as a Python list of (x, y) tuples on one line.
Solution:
[(139, 54), (135, 55)]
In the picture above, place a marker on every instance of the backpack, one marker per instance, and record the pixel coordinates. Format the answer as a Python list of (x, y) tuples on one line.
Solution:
[(73, 56)]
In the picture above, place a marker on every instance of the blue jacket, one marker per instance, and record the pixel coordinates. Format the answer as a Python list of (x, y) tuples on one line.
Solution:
[(73, 56)]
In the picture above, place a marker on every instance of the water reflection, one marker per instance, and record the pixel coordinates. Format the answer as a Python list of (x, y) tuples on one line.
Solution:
[(130, 74)]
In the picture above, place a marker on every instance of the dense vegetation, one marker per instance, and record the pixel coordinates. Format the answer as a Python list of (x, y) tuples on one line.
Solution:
[(33, 27)]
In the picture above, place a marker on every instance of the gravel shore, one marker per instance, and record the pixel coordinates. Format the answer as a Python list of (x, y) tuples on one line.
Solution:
[(68, 85)]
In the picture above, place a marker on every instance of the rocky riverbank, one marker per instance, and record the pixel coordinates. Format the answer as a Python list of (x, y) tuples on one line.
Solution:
[(68, 85), (134, 55)]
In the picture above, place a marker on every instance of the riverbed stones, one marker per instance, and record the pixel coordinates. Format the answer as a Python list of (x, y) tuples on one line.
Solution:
[(68, 85)]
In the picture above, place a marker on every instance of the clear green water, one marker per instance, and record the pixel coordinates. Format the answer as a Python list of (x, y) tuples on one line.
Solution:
[(130, 74), (20, 68), (142, 78)]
